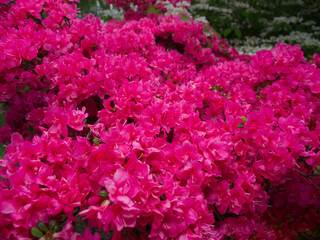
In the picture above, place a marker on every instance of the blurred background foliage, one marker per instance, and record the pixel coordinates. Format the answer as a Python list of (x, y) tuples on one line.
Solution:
[(99, 8), (249, 25), (92, 7)]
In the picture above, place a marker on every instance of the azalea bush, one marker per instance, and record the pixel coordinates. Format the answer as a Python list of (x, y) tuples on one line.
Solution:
[(152, 128)]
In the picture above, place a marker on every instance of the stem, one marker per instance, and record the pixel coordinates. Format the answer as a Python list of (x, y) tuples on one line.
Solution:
[(313, 184), (88, 135), (220, 218), (307, 177), (303, 174), (314, 177)]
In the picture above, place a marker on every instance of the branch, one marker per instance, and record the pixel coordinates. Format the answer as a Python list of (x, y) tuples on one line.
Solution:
[(307, 177)]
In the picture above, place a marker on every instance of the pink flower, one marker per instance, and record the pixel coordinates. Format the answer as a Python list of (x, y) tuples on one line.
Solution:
[(4, 1), (57, 119), (5, 133), (122, 187), (217, 148), (88, 235), (152, 127), (67, 233), (76, 118), (58, 150), (121, 215)]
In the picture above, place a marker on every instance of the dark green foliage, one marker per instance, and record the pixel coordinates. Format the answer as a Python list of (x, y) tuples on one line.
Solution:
[(247, 18), (2, 150)]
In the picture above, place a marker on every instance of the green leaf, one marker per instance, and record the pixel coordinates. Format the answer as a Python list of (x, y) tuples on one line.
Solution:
[(80, 225), (241, 125), (238, 33), (2, 119), (244, 119), (25, 89), (43, 14), (96, 141), (36, 232), (42, 226), (2, 150), (151, 9), (244, 13), (226, 32), (184, 18)]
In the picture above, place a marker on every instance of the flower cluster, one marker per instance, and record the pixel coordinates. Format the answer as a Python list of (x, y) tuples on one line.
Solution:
[(150, 6), (152, 128)]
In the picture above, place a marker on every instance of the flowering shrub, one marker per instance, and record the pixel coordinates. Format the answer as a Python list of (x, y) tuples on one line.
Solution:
[(152, 128)]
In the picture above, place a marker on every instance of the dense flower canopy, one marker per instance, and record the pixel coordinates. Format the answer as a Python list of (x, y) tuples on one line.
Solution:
[(152, 128)]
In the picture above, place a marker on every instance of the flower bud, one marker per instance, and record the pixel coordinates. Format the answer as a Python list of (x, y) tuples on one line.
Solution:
[(103, 194)]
